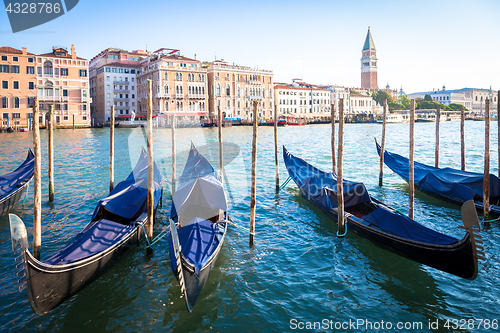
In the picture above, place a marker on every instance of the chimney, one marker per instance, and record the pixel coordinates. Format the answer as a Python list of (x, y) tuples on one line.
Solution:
[(73, 53), (195, 56), (25, 51)]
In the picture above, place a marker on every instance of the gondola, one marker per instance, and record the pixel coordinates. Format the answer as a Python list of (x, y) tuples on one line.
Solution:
[(198, 224), (114, 228), (448, 184), (387, 228), (15, 183)]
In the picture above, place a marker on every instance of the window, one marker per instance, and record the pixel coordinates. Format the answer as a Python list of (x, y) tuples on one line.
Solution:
[(84, 107), (30, 69), (31, 60), (16, 102), (47, 68), (84, 117), (120, 70), (30, 102), (15, 84), (65, 93), (64, 72), (56, 71), (4, 58), (113, 70), (84, 93), (15, 69), (39, 70), (15, 59), (16, 116), (107, 78), (65, 118), (132, 71), (83, 72), (5, 84), (218, 89), (5, 104), (4, 68)]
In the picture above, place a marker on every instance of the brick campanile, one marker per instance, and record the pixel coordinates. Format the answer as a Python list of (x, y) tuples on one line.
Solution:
[(369, 64)]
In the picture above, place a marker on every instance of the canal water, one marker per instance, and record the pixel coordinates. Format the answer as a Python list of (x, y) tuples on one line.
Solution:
[(298, 274)]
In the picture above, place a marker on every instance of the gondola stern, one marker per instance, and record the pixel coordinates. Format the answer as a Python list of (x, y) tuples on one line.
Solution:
[(473, 228)]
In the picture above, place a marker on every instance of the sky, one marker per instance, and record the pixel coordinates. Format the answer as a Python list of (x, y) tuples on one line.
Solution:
[(421, 45)]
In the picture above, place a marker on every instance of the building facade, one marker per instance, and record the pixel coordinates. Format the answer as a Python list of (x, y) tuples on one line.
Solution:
[(301, 99), (179, 85), (113, 81), (18, 87), (62, 80), (369, 64), (361, 104), (472, 99), (232, 87)]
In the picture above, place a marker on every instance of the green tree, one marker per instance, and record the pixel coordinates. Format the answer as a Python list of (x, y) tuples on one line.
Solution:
[(405, 101), (396, 106), (428, 98), (456, 107), (355, 92), (383, 95)]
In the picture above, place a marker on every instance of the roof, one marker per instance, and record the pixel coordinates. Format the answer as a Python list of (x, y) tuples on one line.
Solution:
[(369, 45), (360, 95), (10, 50), (53, 55), (297, 88)]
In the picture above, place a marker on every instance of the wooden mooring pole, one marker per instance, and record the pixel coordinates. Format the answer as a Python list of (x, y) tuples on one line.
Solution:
[(150, 161), (340, 186), (219, 126), (253, 202), (411, 181), (486, 179), (498, 125), (37, 186), (51, 152), (172, 128), (382, 147), (276, 165), (334, 162), (112, 150), (436, 151), (462, 137)]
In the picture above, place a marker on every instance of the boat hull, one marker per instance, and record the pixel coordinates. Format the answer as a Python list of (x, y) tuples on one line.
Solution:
[(195, 283), (10, 201), (50, 285)]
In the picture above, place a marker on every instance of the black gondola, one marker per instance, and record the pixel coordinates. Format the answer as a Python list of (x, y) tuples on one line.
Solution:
[(115, 227), (448, 184), (15, 183), (198, 225), (387, 228)]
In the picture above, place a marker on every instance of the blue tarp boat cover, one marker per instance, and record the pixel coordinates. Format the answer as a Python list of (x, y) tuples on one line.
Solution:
[(95, 239), (451, 183), (10, 181), (129, 198), (321, 187), (199, 240), (199, 185), (399, 225), (318, 187)]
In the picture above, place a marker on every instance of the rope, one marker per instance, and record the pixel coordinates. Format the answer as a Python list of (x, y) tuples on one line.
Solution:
[(345, 232), (238, 226), (157, 238), (285, 183), (495, 220), (27, 190), (145, 234)]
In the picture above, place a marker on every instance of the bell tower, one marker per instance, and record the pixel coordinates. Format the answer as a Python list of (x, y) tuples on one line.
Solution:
[(369, 64)]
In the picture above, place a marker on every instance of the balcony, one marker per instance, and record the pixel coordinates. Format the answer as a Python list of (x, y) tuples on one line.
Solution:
[(196, 96), (162, 95), (118, 99), (123, 107), (121, 82), (122, 91), (179, 96)]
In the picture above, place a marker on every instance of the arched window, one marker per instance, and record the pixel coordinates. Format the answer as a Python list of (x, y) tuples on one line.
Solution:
[(180, 76), (189, 90), (165, 89), (5, 102), (203, 90), (166, 76), (218, 89), (228, 91), (177, 90), (16, 102), (166, 105), (47, 68)]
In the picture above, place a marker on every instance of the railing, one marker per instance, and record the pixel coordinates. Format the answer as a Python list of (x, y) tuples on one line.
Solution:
[(121, 82), (196, 96), (118, 99), (162, 95), (122, 90)]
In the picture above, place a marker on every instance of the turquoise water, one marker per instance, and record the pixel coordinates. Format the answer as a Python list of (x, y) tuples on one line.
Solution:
[(298, 272)]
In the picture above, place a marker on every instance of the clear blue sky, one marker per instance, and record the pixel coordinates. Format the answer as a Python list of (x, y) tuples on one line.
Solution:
[(421, 45)]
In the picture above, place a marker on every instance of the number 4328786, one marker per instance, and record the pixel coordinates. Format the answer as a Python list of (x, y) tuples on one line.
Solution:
[(33, 8)]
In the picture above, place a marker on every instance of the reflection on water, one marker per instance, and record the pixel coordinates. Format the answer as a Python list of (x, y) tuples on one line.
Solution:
[(298, 267)]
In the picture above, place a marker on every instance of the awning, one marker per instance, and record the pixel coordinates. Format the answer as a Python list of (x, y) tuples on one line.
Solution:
[(183, 114)]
